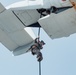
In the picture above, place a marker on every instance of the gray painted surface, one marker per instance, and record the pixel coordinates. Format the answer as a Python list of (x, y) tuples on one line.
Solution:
[(60, 25), (12, 32)]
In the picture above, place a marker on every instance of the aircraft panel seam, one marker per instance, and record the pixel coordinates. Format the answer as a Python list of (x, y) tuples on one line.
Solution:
[(19, 18)]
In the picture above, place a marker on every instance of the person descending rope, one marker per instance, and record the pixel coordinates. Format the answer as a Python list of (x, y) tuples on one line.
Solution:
[(36, 47)]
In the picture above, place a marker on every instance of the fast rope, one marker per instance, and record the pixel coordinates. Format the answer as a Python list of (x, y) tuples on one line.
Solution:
[(39, 32), (39, 68), (39, 61)]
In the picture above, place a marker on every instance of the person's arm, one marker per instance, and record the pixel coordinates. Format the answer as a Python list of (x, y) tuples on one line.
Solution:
[(36, 40), (29, 49)]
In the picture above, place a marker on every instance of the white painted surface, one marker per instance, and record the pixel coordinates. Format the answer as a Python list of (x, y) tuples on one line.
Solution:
[(21, 5)]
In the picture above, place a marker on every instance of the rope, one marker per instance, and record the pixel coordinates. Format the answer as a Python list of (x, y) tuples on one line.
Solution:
[(39, 68), (39, 32), (39, 61)]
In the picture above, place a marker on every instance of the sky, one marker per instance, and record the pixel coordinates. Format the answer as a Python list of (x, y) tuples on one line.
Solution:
[(59, 56)]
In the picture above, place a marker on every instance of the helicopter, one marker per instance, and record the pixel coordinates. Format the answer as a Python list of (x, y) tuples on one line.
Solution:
[(56, 17)]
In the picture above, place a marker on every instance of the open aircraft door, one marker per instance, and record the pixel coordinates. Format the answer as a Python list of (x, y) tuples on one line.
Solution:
[(59, 25)]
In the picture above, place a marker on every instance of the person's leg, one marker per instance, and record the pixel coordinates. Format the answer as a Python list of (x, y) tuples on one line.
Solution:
[(39, 56), (33, 52)]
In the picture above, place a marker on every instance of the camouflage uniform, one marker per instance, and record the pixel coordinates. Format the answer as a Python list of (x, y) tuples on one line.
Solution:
[(35, 49)]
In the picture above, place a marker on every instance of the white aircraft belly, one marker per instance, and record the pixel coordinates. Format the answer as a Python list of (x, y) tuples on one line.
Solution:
[(59, 25), (22, 5), (37, 4)]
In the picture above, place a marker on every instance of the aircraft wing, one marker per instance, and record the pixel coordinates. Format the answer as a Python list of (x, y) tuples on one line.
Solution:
[(13, 34)]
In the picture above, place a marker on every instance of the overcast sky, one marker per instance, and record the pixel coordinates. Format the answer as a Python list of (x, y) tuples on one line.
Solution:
[(59, 57)]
